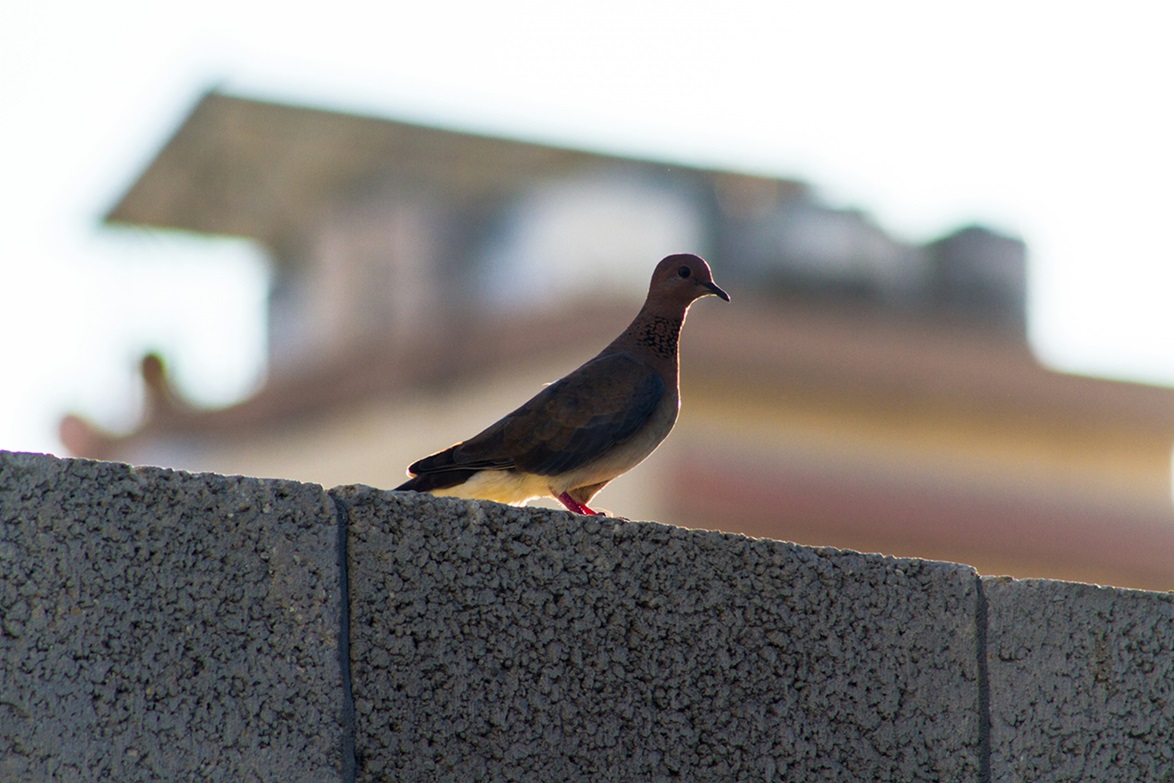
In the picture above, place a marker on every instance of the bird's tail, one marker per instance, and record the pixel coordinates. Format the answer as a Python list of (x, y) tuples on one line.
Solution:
[(428, 482)]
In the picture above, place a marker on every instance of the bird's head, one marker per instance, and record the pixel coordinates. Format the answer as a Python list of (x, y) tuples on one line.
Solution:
[(681, 279)]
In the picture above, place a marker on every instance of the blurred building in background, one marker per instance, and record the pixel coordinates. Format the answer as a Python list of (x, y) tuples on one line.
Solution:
[(858, 392)]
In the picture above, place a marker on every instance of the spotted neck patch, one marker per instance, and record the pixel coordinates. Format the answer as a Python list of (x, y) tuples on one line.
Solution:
[(661, 334)]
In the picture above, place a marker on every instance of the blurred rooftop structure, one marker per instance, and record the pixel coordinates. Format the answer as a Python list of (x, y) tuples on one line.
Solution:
[(859, 391)]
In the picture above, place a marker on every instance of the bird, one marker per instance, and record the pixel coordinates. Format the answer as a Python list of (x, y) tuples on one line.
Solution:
[(585, 429)]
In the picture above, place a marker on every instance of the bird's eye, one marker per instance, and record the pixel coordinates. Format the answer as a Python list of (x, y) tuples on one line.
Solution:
[(684, 271)]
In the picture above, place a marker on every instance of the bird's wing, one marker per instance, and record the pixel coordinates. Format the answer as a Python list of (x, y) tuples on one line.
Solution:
[(566, 425)]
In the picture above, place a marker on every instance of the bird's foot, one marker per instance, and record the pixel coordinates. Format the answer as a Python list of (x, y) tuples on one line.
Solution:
[(575, 507)]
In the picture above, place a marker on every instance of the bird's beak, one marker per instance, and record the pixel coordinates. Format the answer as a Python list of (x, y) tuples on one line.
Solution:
[(713, 289)]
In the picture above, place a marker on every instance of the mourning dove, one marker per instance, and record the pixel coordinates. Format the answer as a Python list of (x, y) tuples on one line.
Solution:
[(598, 422)]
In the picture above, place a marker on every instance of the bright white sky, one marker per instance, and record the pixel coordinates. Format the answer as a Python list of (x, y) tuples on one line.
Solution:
[(1050, 119)]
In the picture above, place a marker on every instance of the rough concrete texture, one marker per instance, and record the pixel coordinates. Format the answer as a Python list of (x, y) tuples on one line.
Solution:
[(157, 625), (495, 643), (1081, 682)]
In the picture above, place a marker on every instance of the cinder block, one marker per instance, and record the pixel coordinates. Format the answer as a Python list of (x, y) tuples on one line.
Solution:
[(158, 625), (494, 643), (1081, 682)]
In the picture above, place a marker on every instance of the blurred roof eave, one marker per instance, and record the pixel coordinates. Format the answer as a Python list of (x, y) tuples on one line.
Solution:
[(262, 170)]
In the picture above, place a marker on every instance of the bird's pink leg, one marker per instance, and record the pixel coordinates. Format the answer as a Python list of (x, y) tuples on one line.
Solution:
[(574, 506)]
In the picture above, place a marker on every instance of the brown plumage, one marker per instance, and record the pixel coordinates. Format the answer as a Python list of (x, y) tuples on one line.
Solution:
[(598, 422)]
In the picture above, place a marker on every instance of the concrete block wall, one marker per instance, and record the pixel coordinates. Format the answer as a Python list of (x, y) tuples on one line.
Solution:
[(159, 625)]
